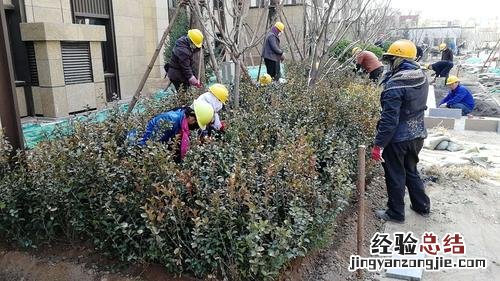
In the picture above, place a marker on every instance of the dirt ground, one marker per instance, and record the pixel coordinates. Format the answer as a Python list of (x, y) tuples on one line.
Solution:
[(74, 263), (460, 204), (464, 199)]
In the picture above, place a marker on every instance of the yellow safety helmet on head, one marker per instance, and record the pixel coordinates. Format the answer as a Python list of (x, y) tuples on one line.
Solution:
[(452, 79), (265, 79), (204, 113), (442, 46), (220, 92), (403, 49), (356, 50), (196, 37), (280, 26)]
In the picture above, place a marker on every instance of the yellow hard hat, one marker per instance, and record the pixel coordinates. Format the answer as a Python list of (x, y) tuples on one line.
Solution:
[(280, 26), (204, 113), (402, 48), (442, 46), (220, 92), (196, 37), (452, 79), (265, 79), (356, 50)]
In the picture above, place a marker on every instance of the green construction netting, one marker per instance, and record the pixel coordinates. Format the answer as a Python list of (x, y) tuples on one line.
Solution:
[(34, 133)]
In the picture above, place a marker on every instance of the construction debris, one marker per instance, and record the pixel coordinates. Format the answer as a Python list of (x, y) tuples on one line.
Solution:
[(441, 142)]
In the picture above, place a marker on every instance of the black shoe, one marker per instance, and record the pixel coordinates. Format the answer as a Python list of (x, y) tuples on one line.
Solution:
[(381, 214), (423, 214)]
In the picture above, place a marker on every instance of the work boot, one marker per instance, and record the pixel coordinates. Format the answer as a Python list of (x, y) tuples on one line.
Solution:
[(381, 214), (423, 214)]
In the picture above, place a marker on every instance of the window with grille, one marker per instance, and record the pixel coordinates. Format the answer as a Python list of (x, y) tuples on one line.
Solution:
[(262, 3), (30, 49), (257, 3), (293, 2), (77, 63), (91, 8)]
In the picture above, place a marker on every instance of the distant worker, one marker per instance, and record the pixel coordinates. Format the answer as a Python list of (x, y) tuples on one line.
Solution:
[(401, 131), (217, 96), (265, 80), (443, 67), (369, 62), (459, 96), (272, 53), (446, 53), (177, 123), (180, 69)]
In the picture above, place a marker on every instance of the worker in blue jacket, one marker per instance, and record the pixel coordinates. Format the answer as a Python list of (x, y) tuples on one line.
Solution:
[(176, 123), (459, 97), (401, 131)]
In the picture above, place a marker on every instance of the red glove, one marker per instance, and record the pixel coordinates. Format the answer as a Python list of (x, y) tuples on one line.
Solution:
[(199, 85), (195, 82), (223, 126), (377, 153)]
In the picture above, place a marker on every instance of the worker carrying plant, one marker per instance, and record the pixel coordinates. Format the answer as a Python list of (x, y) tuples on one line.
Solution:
[(217, 96), (180, 69), (369, 62), (272, 53), (443, 67), (401, 131), (459, 96), (176, 123)]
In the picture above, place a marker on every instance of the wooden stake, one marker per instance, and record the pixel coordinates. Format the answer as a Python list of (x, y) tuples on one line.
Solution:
[(292, 35), (145, 76), (262, 52), (361, 202), (199, 63)]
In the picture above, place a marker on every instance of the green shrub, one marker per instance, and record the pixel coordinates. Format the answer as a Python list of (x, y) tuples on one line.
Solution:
[(338, 49), (386, 45), (240, 207)]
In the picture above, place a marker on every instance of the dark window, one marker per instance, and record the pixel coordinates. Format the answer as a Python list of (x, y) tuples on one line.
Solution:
[(77, 63), (30, 49)]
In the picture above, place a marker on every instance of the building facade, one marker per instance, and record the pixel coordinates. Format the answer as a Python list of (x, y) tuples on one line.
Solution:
[(74, 55)]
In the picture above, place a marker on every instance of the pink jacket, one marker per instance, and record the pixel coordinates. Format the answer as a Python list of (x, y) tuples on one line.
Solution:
[(185, 142)]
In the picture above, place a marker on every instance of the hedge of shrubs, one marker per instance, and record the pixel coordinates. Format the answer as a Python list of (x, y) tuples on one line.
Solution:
[(240, 207)]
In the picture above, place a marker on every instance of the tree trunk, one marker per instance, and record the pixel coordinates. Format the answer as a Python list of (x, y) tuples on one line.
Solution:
[(208, 43), (237, 78), (273, 5)]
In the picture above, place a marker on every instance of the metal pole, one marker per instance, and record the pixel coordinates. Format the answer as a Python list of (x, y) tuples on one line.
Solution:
[(9, 113), (361, 202)]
